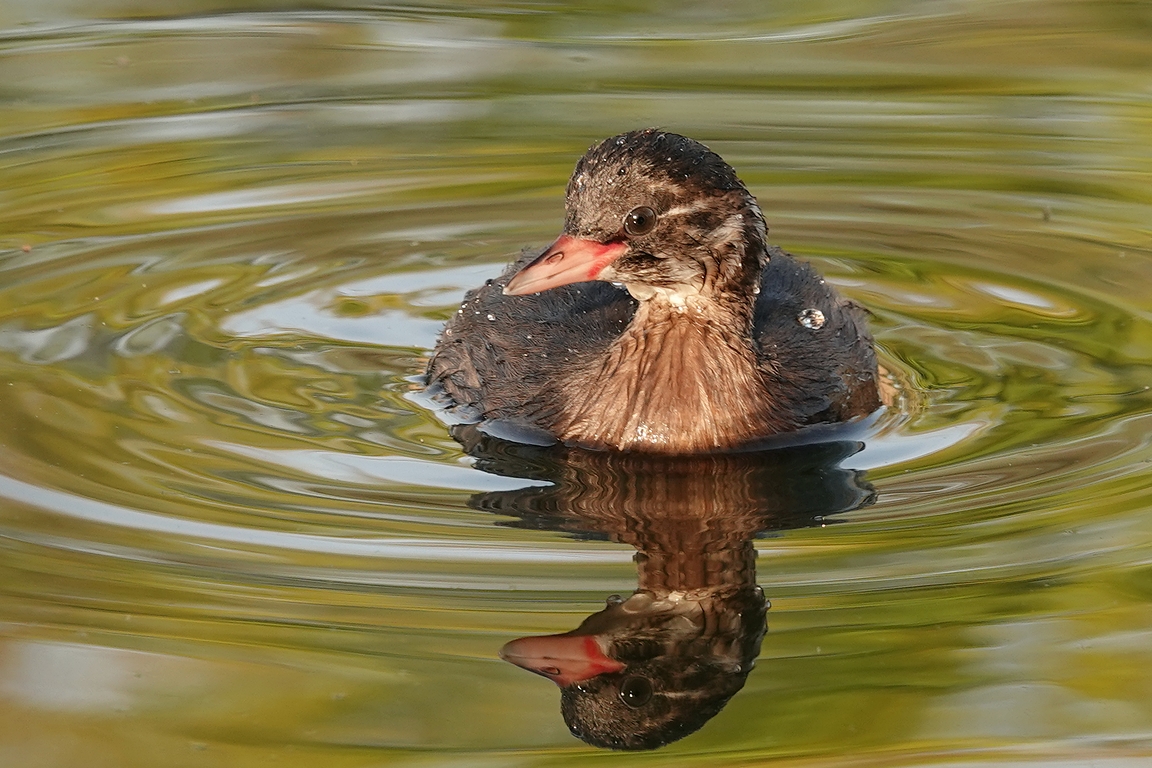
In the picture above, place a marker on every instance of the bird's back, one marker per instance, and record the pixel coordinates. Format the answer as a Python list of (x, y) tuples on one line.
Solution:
[(813, 344)]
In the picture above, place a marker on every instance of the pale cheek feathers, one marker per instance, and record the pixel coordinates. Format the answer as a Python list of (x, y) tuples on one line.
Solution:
[(729, 235), (729, 242)]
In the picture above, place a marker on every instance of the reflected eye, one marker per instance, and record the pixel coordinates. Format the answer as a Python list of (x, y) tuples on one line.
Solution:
[(635, 691), (639, 221)]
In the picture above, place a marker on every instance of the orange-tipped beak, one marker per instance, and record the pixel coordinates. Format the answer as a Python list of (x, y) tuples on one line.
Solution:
[(563, 659), (568, 260)]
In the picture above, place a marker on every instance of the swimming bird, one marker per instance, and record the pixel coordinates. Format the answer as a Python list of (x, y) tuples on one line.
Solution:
[(660, 319)]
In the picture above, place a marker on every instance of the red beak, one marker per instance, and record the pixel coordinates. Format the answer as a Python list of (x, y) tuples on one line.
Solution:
[(568, 260), (563, 659)]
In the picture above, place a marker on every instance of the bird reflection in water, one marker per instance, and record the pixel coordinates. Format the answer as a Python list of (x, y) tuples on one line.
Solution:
[(656, 666)]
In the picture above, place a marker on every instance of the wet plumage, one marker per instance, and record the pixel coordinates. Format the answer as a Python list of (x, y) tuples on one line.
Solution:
[(715, 340)]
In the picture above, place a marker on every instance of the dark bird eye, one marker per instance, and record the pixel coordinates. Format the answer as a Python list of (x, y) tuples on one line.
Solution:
[(640, 221), (635, 691)]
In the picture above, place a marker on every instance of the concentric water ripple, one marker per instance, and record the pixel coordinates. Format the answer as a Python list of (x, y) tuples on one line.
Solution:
[(230, 530)]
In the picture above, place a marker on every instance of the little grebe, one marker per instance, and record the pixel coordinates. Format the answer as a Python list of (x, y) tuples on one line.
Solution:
[(715, 340)]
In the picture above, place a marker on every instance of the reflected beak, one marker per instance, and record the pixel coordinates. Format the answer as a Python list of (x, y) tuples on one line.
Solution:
[(568, 260), (563, 659)]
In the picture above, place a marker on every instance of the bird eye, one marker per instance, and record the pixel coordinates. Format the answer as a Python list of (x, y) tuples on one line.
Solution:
[(639, 221), (635, 691)]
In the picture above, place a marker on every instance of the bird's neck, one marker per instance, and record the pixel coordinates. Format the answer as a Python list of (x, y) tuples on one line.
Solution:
[(689, 571), (724, 292), (683, 377)]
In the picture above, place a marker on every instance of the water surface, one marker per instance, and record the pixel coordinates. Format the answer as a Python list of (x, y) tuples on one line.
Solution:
[(229, 236)]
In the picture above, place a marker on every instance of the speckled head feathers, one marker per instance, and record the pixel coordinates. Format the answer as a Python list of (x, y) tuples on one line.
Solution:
[(706, 234), (658, 155)]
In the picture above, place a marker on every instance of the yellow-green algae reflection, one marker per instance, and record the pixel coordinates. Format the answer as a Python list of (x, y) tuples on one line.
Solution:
[(229, 234)]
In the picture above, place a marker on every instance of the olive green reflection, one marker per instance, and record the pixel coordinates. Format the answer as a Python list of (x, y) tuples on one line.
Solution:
[(656, 666)]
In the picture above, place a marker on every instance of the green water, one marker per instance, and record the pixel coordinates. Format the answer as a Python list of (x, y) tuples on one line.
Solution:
[(231, 536)]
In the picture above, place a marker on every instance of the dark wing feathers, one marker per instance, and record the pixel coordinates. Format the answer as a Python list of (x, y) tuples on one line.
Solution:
[(573, 323), (796, 358)]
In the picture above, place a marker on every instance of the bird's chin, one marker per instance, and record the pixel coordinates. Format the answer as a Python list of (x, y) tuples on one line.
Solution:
[(679, 297)]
